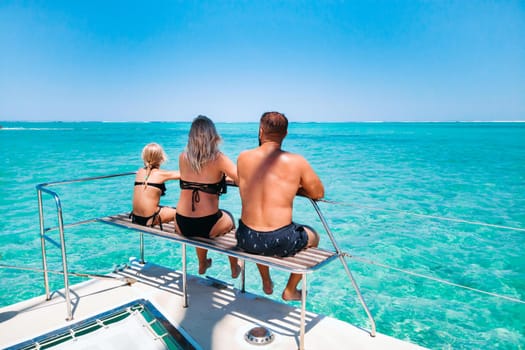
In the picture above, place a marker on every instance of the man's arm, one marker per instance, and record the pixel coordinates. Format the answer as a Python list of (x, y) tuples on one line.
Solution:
[(311, 185)]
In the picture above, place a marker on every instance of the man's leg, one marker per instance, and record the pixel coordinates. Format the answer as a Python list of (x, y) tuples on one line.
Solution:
[(290, 291), (313, 237), (266, 279)]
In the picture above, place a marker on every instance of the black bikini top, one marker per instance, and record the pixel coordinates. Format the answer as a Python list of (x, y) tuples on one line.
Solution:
[(161, 187), (216, 188)]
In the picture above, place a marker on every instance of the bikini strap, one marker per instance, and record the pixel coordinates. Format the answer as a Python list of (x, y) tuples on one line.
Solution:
[(195, 198), (155, 216), (152, 217)]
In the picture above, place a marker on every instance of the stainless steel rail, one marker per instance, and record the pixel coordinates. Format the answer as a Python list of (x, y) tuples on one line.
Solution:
[(341, 256), (62, 247), (43, 188)]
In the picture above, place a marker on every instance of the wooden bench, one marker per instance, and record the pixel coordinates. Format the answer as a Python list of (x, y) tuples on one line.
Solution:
[(304, 262)]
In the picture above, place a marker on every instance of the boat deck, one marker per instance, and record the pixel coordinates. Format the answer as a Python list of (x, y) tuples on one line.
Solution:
[(218, 316)]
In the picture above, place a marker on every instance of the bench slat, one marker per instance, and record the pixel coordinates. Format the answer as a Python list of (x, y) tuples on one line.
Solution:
[(307, 260)]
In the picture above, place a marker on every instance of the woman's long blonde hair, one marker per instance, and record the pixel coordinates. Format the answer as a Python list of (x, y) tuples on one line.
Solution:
[(203, 143)]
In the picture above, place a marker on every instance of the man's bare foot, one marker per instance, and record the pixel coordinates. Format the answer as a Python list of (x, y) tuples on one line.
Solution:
[(293, 295), (268, 287), (202, 269), (237, 271)]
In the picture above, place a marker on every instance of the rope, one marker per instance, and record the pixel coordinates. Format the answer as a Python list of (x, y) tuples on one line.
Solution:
[(370, 262), (479, 223)]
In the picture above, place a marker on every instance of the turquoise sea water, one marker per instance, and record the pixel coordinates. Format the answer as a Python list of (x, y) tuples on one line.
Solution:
[(381, 174)]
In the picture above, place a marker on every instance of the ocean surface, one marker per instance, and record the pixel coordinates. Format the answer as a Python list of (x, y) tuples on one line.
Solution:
[(430, 214)]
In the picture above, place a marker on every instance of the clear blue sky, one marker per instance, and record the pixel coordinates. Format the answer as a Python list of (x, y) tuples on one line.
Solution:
[(233, 60)]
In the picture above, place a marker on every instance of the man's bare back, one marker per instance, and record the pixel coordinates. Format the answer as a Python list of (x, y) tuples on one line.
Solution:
[(269, 179)]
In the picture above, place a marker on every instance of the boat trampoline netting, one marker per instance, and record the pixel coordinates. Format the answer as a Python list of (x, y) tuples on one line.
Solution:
[(136, 325)]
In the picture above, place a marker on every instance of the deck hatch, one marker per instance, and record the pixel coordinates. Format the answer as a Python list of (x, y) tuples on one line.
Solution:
[(138, 323)]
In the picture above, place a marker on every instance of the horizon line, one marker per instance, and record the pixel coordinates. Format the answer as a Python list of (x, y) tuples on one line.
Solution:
[(256, 121)]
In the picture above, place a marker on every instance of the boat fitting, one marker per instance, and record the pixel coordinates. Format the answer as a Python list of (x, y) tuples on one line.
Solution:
[(259, 336)]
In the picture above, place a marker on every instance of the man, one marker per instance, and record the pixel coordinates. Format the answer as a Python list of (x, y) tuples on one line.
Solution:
[(269, 178)]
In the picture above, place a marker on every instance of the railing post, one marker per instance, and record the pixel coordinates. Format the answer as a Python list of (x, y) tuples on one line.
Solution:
[(302, 330), (243, 276), (141, 235), (43, 243), (340, 254), (184, 278), (64, 258)]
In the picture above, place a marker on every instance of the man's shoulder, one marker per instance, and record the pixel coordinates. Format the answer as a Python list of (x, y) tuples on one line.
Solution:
[(247, 152), (296, 157), (243, 157)]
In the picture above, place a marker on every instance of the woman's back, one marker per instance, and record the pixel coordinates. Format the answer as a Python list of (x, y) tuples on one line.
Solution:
[(203, 169), (194, 202)]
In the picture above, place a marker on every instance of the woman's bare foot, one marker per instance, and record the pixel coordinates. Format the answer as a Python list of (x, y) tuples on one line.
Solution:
[(292, 295), (268, 287), (204, 267), (237, 271)]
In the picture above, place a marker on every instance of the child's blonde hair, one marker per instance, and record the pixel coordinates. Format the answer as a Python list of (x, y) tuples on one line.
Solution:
[(153, 156)]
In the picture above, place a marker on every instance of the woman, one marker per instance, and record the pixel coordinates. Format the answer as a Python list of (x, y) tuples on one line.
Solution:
[(203, 169), (149, 187)]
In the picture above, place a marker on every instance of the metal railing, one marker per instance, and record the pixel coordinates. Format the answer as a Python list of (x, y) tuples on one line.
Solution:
[(341, 256), (43, 188)]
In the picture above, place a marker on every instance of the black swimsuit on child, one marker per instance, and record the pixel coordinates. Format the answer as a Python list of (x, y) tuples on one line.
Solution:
[(143, 220)]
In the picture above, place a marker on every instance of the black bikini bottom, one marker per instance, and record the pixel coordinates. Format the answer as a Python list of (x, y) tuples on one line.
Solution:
[(197, 227), (143, 220)]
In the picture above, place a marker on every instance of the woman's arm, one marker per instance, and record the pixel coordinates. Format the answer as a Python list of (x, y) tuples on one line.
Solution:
[(229, 168)]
